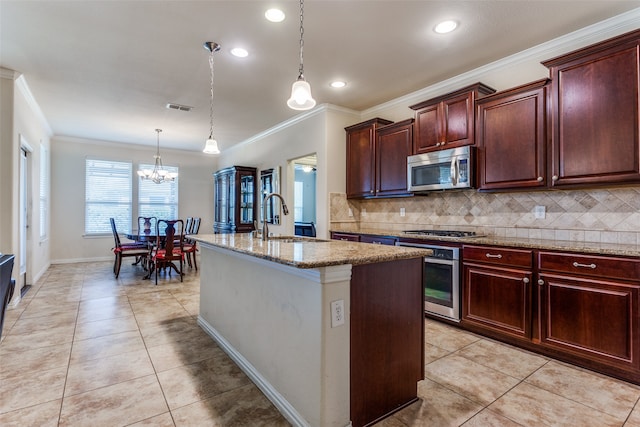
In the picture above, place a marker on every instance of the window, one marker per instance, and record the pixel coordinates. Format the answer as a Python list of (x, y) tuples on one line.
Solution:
[(107, 195), (44, 192), (159, 200)]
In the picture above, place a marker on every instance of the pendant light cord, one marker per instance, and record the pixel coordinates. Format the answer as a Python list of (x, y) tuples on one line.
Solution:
[(301, 69), (211, 103)]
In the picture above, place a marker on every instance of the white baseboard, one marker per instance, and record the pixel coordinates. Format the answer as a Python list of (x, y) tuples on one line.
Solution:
[(73, 260), (285, 408)]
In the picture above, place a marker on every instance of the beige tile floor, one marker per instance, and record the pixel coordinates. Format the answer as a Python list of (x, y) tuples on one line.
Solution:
[(85, 349)]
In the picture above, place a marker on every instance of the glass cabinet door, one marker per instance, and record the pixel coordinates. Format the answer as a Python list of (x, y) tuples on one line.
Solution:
[(246, 199)]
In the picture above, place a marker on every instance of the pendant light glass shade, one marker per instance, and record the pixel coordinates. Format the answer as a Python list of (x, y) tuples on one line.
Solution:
[(301, 98), (211, 146)]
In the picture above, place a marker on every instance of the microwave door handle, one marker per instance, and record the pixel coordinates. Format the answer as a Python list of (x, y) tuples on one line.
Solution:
[(454, 171)]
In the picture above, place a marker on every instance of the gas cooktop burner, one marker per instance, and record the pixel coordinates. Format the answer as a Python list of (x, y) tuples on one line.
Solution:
[(443, 233)]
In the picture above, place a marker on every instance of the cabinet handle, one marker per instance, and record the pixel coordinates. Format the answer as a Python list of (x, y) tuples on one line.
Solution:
[(376, 243), (525, 280), (539, 179), (554, 178), (370, 191), (577, 264), (437, 144), (488, 255), (540, 282)]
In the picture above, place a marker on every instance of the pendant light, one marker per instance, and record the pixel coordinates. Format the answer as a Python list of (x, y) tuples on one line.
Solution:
[(158, 174), (301, 98), (211, 146)]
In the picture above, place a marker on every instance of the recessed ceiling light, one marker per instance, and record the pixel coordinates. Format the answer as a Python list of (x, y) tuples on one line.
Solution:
[(239, 52), (274, 15), (338, 84), (445, 27)]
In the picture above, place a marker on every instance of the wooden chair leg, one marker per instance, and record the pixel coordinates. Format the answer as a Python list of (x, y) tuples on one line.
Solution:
[(118, 264), (195, 261)]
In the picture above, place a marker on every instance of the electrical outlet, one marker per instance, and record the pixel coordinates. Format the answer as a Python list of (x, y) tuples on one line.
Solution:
[(350, 212), (539, 212), (401, 211), (337, 313), (363, 212)]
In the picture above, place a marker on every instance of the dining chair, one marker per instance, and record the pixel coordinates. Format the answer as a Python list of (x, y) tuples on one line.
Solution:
[(190, 247), (166, 250), (120, 250)]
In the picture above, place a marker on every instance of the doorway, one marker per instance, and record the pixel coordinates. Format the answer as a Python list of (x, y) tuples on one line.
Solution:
[(304, 195), (24, 215)]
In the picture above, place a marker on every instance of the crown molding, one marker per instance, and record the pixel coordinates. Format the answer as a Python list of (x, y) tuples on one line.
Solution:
[(23, 87), (322, 108), (583, 37)]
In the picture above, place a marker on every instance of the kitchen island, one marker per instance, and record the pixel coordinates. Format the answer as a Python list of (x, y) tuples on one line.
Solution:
[(330, 331)]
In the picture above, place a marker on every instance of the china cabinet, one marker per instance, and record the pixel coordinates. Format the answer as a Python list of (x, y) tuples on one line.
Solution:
[(235, 199)]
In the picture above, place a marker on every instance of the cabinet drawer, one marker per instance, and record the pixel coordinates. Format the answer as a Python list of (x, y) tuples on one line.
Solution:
[(346, 236), (377, 240), (590, 265), (499, 256)]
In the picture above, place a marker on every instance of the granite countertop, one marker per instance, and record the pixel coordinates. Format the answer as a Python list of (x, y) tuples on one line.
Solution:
[(517, 242), (305, 252)]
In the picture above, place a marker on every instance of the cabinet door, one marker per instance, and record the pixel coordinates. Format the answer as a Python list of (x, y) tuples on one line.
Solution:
[(345, 236), (511, 139), (361, 162), (428, 129), (593, 319), (596, 117), (498, 299), (458, 121), (378, 240), (393, 145)]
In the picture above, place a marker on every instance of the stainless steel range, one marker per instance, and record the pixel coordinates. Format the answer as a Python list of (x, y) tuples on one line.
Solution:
[(441, 274), (443, 233)]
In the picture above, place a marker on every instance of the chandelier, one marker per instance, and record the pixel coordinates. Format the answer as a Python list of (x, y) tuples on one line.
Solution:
[(301, 98), (211, 146), (158, 174)]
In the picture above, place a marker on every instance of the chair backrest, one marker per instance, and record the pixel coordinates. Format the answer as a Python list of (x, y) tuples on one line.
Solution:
[(195, 226), (188, 224), (147, 225), (116, 237), (173, 231)]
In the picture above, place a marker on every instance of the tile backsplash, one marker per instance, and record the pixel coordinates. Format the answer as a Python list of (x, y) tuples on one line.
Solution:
[(610, 215)]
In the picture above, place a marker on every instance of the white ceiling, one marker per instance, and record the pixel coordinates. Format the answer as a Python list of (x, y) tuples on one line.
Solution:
[(106, 69)]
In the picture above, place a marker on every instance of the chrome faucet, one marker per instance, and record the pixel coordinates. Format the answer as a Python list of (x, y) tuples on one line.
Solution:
[(285, 210)]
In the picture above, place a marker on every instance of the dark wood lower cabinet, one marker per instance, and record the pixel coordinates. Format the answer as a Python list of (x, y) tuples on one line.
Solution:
[(498, 298), (580, 308), (387, 338), (596, 320)]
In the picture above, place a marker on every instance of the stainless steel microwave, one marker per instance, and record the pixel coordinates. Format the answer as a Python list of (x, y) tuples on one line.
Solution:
[(440, 170)]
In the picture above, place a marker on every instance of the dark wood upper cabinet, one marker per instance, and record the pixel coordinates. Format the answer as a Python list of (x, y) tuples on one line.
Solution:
[(595, 113), (511, 138), (447, 121), (361, 157), (393, 146)]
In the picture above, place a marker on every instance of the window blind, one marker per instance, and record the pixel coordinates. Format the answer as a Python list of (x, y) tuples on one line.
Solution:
[(107, 195)]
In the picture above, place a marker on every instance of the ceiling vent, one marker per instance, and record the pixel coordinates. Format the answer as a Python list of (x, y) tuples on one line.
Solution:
[(172, 106)]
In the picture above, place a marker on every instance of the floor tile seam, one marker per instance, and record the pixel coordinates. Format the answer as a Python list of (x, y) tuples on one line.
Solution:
[(636, 405), (446, 386), (488, 409), (486, 367), (137, 377), (211, 396), (33, 406), (104, 387), (580, 403)]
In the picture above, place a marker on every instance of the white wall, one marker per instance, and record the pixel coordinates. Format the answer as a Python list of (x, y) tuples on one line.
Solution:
[(68, 244), (22, 121), (319, 131)]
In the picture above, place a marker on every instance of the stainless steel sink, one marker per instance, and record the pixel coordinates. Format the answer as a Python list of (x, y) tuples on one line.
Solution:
[(296, 239)]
